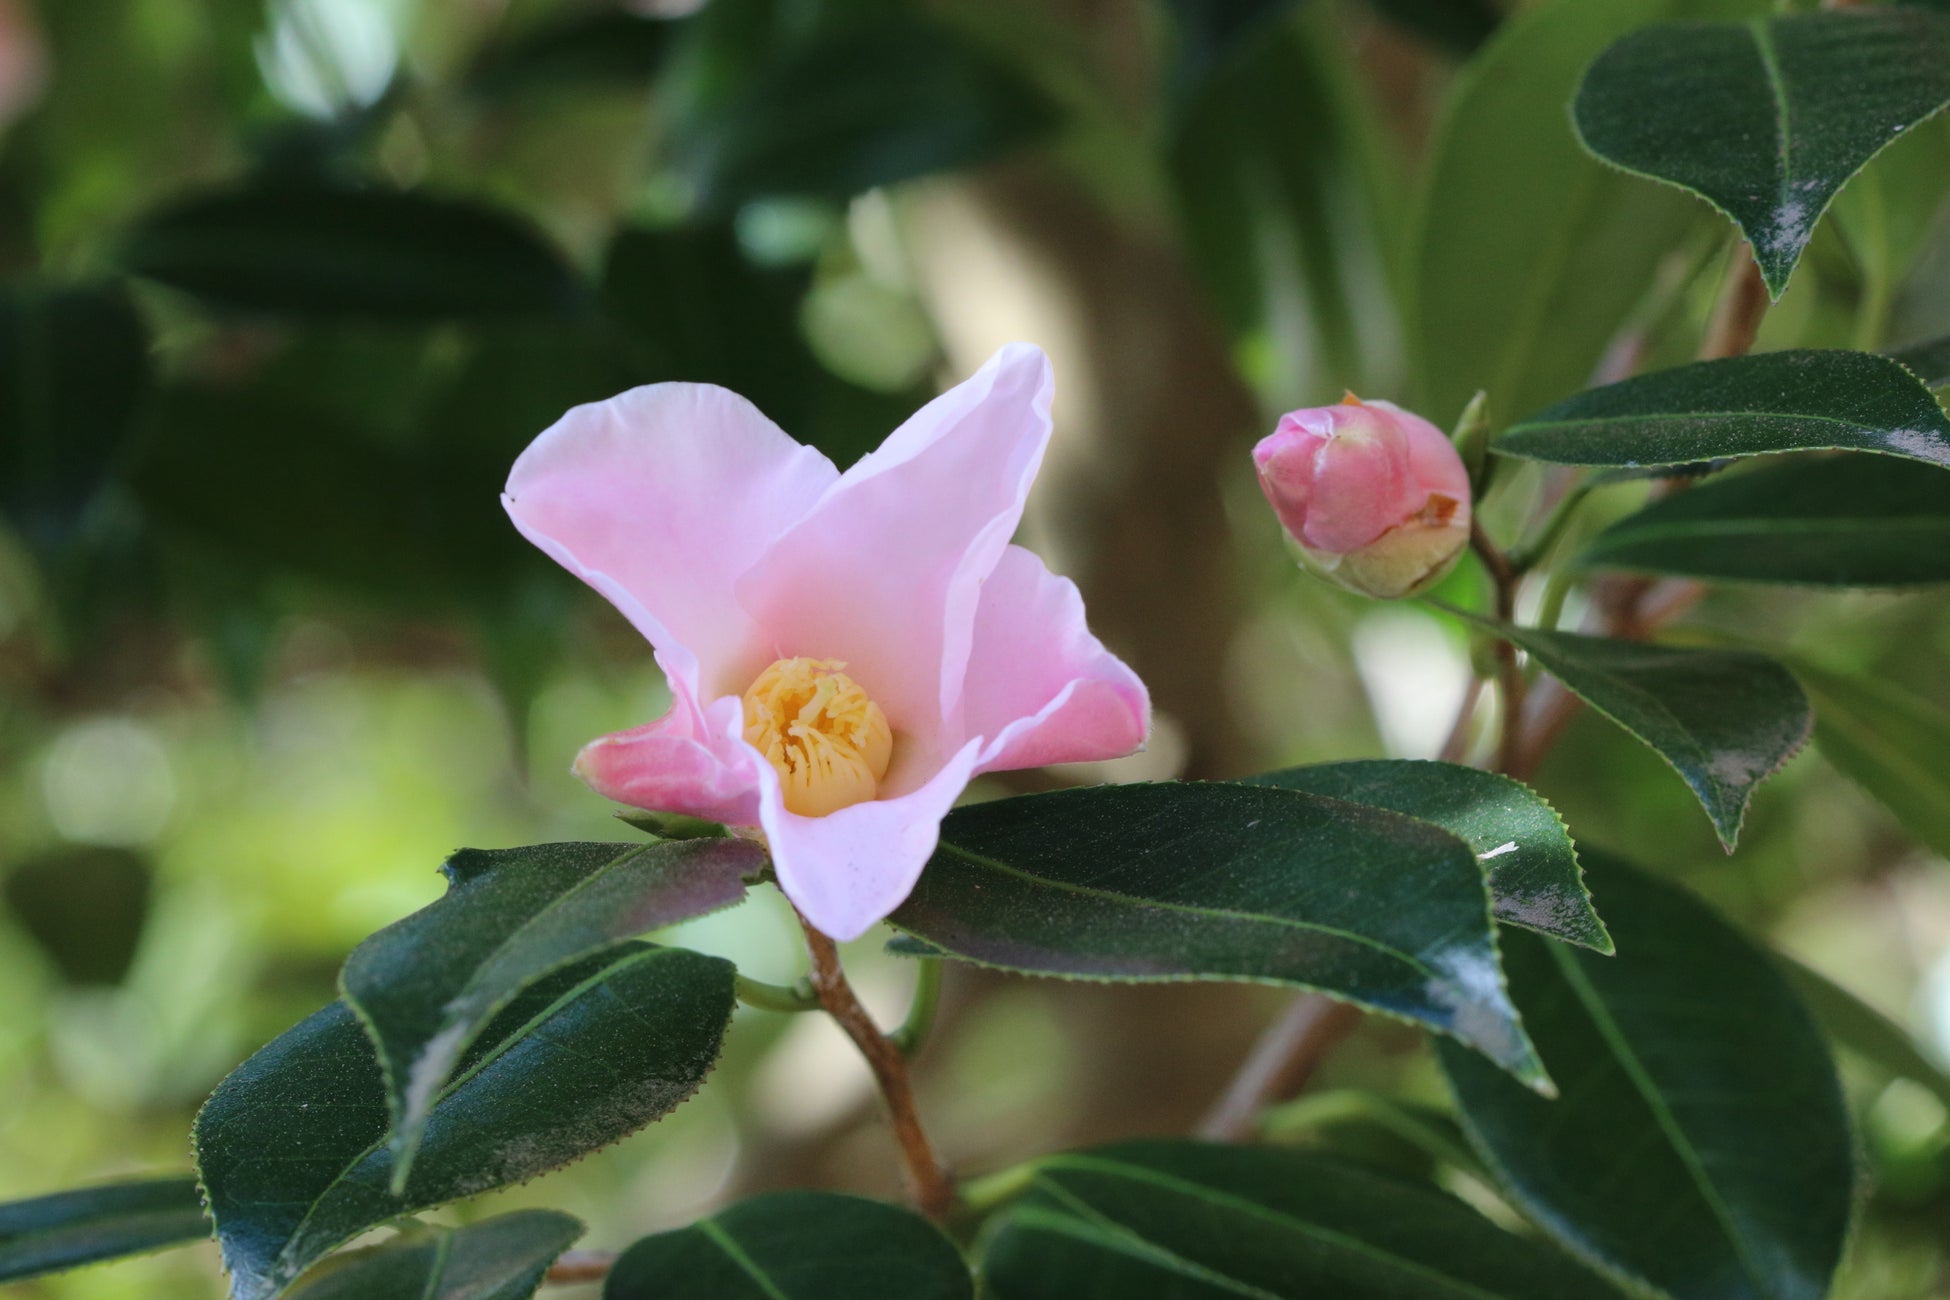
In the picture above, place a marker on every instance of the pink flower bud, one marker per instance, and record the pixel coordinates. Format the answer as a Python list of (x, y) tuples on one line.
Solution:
[(1376, 499)]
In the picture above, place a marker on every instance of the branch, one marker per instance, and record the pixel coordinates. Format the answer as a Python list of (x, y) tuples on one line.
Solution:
[(1280, 1064), (927, 1181), (1510, 684), (580, 1266)]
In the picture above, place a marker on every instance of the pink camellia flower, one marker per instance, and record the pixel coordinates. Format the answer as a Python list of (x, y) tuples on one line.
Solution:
[(844, 651), (1376, 498)]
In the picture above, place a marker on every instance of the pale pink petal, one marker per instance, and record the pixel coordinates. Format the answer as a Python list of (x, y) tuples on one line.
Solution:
[(885, 572), (684, 762), (1041, 689), (659, 499), (849, 869)]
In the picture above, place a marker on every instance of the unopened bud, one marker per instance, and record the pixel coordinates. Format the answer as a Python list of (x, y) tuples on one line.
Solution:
[(1376, 499)]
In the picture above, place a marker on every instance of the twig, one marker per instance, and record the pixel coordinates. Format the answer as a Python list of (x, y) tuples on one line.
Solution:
[(1457, 744), (1279, 1065), (914, 1030), (1510, 684), (1737, 315), (927, 1181), (580, 1266)]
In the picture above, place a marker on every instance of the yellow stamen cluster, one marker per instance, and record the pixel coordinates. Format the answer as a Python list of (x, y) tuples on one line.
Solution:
[(829, 743)]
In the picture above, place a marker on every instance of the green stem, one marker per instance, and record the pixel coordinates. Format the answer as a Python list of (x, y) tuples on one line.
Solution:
[(913, 1031), (1324, 1110), (1526, 557), (777, 997), (990, 1191)]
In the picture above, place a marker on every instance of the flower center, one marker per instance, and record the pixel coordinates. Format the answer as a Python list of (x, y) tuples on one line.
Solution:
[(825, 738)]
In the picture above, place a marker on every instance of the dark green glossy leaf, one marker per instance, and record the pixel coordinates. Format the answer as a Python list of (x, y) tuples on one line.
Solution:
[(502, 1258), (1700, 1143), (1224, 882), (1187, 1221), (1835, 521), (1526, 852), (74, 365), (1528, 254), (321, 251), (85, 905), (598, 49), (1765, 119), (69, 1229), (1864, 1030), (1929, 361), (1803, 400), (1459, 25), (1724, 719), (1888, 741), (795, 1246), (867, 99), (292, 1147), (427, 985)]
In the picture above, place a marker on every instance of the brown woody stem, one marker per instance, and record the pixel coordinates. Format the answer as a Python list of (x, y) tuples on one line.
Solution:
[(580, 1266), (1510, 684), (1280, 1064), (927, 1181)]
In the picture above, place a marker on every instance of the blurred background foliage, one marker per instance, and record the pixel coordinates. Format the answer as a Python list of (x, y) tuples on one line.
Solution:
[(289, 283)]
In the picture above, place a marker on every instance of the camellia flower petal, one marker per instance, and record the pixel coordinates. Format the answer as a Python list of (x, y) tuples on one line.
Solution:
[(844, 651)]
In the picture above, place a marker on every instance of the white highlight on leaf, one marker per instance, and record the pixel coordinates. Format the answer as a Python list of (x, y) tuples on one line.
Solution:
[(1508, 846)]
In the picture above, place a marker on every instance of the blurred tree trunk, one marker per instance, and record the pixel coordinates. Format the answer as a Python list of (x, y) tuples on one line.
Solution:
[(1149, 413)]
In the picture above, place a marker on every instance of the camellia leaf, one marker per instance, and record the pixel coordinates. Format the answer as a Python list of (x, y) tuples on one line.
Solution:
[(1225, 882), (601, 48), (1864, 1030), (1765, 119), (427, 985), (292, 1146), (74, 366), (864, 99), (1726, 720), (1190, 1219), (323, 251), (92, 1224), (1528, 254), (1526, 852), (1803, 400), (502, 1258), (1701, 1144), (1888, 741), (795, 1246), (1832, 521), (1929, 361)]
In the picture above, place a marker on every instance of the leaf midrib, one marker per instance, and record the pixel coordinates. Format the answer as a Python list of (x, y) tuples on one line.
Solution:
[(1251, 1209), (1648, 1090), (1231, 914), (721, 1237), (281, 1264)]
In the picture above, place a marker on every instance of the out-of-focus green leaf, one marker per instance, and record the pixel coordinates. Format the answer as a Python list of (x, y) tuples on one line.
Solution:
[(1528, 254), (1526, 852), (1184, 1219), (74, 365), (795, 1246), (601, 48), (1801, 400), (85, 905), (1700, 1144), (697, 309), (69, 1229), (1726, 720), (311, 250), (1891, 743), (865, 99), (1269, 192), (293, 1150), (1864, 1030), (1929, 362), (1218, 882), (1210, 31), (502, 1258), (1459, 25), (1835, 521), (1766, 119), (427, 985)]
